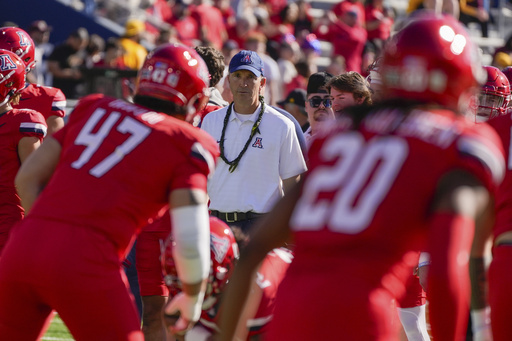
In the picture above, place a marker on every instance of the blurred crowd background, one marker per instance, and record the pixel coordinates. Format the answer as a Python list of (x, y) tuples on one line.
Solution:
[(86, 46)]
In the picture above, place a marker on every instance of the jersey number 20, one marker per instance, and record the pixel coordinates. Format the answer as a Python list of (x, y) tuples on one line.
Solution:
[(360, 179)]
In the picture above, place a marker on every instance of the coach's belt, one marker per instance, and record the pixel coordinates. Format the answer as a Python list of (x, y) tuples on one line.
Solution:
[(232, 217)]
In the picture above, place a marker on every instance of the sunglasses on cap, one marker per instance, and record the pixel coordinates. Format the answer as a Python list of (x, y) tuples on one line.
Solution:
[(315, 102)]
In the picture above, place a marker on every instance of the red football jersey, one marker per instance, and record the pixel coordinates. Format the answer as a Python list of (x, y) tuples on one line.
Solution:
[(122, 161), (503, 222), (14, 125), (269, 277), (363, 212), (45, 99)]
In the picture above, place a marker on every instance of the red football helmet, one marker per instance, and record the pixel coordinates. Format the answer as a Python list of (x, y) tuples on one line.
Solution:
[(494, 96), (176, 73), (432, 59), (224, 254), (508, 73), (16, 40), (12, 75)]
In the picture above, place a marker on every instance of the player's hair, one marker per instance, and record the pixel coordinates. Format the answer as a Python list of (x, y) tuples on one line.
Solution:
[(354, 83), (159, 105), (214, 60), (15, 99)]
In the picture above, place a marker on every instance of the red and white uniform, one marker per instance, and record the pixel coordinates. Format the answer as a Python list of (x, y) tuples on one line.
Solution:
[(47, 100), (364, 214), (500, 276), (118, 164), (269, 277), (14, 125), (147, 256)]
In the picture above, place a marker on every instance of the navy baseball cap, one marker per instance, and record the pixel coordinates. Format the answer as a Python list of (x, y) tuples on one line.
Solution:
[(246, 60)]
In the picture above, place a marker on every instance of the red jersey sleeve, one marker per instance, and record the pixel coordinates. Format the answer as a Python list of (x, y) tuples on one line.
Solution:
[(199, 165), (481, 152), (58, 103), (32, 123)]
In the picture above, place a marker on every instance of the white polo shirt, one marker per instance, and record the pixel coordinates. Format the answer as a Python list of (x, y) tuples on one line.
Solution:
[(272, 155)]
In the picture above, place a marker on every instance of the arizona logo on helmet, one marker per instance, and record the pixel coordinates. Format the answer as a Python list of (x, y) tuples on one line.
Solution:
[(219, 246), (24, 41), (6, 63)]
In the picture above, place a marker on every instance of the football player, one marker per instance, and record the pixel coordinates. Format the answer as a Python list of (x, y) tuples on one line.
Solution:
[(508, 73), (224, 255), (21, 132), (408, 174), (116, 164), (494, 310), (49, 101), (494, 96)]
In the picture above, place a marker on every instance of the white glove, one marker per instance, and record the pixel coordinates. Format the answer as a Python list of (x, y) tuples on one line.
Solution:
[(481, 324), (189, 308)]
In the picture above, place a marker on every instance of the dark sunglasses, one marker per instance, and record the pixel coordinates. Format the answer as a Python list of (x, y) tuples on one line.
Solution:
[(315, 102)]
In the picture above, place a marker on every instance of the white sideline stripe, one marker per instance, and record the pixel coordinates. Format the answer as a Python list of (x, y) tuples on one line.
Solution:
[(56, 338)]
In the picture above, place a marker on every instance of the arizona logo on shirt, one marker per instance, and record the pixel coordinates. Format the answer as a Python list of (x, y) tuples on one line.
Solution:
[(257, 143)]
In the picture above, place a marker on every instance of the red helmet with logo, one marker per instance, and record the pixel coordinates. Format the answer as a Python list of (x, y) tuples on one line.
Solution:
[(176, 73), (16, 40), (12, 75), (494, 96), (432, 59), (224, 254), (508, 73)]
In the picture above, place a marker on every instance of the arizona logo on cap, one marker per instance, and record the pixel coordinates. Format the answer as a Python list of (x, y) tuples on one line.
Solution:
[(246, 59)]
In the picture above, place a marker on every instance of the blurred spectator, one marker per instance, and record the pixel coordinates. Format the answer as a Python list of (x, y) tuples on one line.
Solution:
[(166, 36), (95, 50), (304, 22), (295, 104), (243, 27), (311, 49), (186, 26), (476, 11), (159, 9), (274, 6), (283, 23), (228, 13), (134, 53), (289, 53), (257, 42), (39, 31), (112, 56), (65, 61), (379, 21), (501, 60), (337, 65), (506, 49), (348, 37), (212, 31), (369, 56), (341, 8), (300, 81), (229, 49)]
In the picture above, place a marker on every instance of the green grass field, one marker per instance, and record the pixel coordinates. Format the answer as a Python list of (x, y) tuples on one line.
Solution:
[(57, 331)]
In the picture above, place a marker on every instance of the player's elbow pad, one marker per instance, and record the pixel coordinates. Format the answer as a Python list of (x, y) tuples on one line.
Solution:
[(191, 232)]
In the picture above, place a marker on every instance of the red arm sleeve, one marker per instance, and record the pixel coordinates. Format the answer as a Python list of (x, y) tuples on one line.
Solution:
[(448, 283)]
